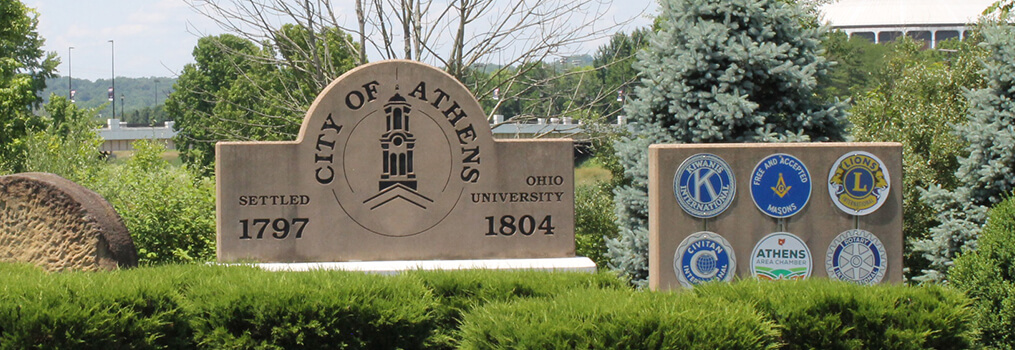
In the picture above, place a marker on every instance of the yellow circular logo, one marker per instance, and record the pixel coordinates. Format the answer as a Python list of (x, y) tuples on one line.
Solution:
[(858, 183)]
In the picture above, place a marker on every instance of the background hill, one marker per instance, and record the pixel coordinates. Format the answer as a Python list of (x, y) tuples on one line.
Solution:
[(142, 97)]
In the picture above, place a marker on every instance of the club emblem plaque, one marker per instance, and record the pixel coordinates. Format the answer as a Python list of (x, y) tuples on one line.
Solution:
[(858, 183), (780, 185), (704, 185)]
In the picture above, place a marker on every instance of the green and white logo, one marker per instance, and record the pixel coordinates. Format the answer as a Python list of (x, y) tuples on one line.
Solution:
[(781, 256)]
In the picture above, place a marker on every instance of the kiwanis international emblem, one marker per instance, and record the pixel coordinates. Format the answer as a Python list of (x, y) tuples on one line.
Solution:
[(780, 185), (704, 185), (704, 257), (858, 183)]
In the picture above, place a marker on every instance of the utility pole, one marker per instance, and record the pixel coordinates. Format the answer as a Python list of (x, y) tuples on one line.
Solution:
[(70, 86), (112, 75)]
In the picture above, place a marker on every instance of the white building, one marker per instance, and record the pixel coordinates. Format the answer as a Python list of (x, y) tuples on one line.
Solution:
[(119, 137), (886, 20)]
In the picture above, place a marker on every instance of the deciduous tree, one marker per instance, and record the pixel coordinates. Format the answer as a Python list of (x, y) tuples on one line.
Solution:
[(24, 67)]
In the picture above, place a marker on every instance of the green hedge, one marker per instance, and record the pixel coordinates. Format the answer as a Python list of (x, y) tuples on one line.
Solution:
[(824, 314), (460, 291), (618, 319), (214, 307), (80, 311), (814, 314)]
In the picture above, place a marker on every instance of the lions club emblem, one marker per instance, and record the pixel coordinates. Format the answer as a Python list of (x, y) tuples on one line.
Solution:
[(858, 183)]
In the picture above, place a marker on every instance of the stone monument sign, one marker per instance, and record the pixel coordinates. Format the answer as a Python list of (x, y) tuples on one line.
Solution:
[(775, 211), (394, 161), (59, 225)]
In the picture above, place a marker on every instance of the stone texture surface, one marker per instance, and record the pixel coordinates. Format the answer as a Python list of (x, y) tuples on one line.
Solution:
[(744, 225), (57, 224), (395, 161)]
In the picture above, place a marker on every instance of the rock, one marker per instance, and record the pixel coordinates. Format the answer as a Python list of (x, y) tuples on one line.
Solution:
[(57, 224)]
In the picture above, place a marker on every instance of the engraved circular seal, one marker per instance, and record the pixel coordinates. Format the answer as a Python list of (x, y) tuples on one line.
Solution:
[(704, 257), (781, 256), (780, 185), (704, 185), (398, 145), (856, 256), (858, 183)]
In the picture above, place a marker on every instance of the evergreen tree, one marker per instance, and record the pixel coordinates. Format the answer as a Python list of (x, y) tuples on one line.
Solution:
[(719, 71), (984, 175)]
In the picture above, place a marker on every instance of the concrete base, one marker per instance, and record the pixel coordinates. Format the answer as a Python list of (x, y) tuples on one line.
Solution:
[(576, 264)]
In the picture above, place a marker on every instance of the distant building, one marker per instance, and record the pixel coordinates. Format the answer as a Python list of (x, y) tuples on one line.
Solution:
[(118, 136), (879, 21)]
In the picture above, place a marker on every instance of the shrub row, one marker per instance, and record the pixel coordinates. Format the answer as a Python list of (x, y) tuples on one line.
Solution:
[(814, 314), (213, 307)]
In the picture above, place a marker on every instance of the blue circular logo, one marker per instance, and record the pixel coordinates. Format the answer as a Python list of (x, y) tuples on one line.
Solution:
[(704, 185), (780, 185), (704, 257), (856, 256)]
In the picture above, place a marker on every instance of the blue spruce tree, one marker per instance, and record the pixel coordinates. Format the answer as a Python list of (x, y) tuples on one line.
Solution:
[(718, 71), (985, 175)]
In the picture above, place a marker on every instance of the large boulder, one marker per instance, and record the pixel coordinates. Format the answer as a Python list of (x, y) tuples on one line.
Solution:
[(57, 224)]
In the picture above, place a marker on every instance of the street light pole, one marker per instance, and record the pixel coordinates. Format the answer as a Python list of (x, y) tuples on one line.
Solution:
[(121, 106), (70, 86), (112, 74)]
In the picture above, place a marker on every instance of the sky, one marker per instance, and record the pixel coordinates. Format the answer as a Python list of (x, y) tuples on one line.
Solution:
[(156, 37)]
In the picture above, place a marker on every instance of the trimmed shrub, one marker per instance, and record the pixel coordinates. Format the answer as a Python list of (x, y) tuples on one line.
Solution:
[(458, 292), (824, 314), (81, 310), (249, 308), (987, 275), (618, 319)]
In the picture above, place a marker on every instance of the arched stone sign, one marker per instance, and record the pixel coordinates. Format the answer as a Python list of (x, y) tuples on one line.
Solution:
[(395, 161)]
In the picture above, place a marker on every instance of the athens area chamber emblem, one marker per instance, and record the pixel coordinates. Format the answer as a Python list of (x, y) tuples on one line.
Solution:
[(856, 256), (781, 256), (704, 257), (704, 185), (858, 183)]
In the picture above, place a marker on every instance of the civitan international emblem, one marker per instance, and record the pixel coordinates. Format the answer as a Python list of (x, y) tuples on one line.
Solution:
[(858, 183), (856, 256), (781, 256), (704, 257), (704, 185), (780, 185), (383, 185)]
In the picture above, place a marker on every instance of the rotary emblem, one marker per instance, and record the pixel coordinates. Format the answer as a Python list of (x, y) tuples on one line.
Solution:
[(856, 256), (704, 185), (858, 183)]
